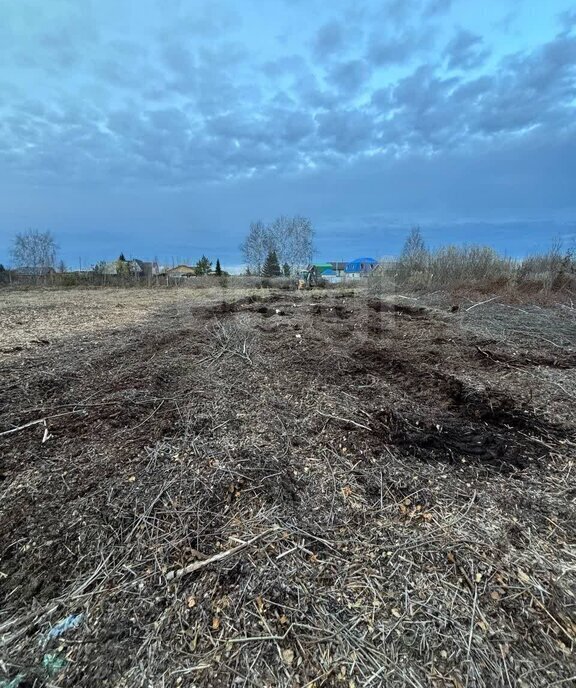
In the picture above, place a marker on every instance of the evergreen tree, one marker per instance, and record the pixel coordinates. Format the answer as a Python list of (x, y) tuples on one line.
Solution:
[(121, 258), (2, 268), (203, 266), (248, 273), (271, 266), (286, 270), (218, 269)]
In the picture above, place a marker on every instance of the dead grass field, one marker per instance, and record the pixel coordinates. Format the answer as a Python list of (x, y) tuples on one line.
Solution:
[(284, 489), (31, 317)]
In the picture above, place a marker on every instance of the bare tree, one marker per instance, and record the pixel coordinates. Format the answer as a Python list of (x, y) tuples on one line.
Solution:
[(415, 255), (256, 246), (290, 238), (34, 249)]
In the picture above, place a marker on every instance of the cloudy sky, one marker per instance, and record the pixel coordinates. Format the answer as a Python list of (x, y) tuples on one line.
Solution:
[(162, 128)]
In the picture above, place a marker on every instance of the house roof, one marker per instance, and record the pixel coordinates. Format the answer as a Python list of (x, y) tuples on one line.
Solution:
[(360, 264), (322, 267), (182, 268)]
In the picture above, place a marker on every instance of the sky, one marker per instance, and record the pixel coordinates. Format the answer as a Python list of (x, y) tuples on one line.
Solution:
[(162, 129)]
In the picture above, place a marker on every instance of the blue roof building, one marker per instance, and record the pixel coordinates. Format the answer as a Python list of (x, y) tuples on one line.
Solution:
[(360, 266)]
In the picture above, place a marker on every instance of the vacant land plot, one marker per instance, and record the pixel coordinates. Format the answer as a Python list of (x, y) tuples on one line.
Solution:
[(279, 489)]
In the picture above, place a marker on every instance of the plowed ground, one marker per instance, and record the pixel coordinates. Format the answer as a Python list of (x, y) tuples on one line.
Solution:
[(400, 490)]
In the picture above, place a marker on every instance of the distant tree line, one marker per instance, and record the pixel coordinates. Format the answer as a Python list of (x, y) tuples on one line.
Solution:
[(421, 267)]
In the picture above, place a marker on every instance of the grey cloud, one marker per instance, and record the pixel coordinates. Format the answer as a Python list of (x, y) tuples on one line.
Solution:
[(311, 95), (286, 65), (209, 20), (178, 58), (465, 51), (399, 11), (532, 89), (349, 77), (223, 55), (382, 99), (329, 39), (226, 127), (567, 20), (469, 91), (400, 48), (60, 48), (437, 7), (347, 131), (293, 126)]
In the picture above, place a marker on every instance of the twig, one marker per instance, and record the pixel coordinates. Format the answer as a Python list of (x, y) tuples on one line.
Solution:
[(178, 573), (345, 420), (21, 427), (481, 303)]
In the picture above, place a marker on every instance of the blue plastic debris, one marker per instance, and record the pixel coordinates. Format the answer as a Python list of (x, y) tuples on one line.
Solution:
[(67, 624), (53, 664), (13, 683)]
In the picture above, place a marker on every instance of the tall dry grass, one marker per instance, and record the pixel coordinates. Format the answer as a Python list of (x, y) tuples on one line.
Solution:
[(477, 267)]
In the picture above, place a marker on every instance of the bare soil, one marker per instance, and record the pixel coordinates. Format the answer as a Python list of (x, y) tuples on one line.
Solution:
[(285, 489)]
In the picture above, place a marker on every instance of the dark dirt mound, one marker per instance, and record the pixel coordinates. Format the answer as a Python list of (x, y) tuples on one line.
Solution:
[(384, 307), (449, 419)]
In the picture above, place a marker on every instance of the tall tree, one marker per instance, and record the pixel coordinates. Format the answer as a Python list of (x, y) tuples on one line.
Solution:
[(415, 255), (203, 266), (286, 270), (218, 269), (121, 258), (290, 238), (271, 266), (34, 249), (256, 246)]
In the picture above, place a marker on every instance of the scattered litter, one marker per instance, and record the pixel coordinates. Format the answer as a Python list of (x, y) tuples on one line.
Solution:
[(13, 682), (53, 663), (69, 623)]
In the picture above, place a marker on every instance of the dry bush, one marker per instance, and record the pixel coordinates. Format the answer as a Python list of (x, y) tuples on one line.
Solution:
[(552, 271), (232, 338), (469, 264), (478, 267)]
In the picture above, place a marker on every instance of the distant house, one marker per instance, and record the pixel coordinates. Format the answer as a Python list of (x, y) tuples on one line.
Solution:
[(145, 267), (360, 267), (338, 268), (138, 267), (181, 271), (337, 271)]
